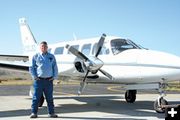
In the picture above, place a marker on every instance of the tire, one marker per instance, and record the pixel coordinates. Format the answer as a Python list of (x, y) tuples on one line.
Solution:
[(157, 108), (130, 96)]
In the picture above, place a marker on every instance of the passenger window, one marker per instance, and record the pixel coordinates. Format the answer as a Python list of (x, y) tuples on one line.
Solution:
[(75, 46), (59, 50), (86, 49), (104, 50), (49, 50)]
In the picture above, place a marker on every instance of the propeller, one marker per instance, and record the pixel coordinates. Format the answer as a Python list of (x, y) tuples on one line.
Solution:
[(100, 44), (95, 61), (106, 74), (76, 52)]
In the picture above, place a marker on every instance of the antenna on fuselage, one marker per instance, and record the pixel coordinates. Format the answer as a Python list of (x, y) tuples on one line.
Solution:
[(74, 36)]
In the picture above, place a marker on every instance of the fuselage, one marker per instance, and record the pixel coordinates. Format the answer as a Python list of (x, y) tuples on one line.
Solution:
[(123, 59)]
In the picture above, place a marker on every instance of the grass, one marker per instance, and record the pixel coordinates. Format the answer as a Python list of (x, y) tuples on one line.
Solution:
[(173, 86), (20, 81), (16, 82)]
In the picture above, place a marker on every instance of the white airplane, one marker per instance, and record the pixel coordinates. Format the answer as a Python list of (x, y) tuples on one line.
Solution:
[(109, 60)]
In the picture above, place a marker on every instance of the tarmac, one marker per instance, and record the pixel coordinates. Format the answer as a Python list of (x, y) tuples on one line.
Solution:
[(98, 102)]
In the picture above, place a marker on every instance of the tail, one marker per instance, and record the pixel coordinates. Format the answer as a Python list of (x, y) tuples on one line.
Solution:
[(28, 40)]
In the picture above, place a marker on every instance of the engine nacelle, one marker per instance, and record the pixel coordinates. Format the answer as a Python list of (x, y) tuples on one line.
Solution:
[(92, 65), (80, 67)]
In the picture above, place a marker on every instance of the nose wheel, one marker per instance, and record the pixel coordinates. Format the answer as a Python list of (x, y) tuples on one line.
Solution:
[(158, 105), (160, 102)]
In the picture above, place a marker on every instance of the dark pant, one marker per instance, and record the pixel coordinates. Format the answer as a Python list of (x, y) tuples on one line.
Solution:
[(43, 86)]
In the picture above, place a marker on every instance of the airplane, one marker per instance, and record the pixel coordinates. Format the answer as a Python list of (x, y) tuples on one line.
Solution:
[(105, 60)]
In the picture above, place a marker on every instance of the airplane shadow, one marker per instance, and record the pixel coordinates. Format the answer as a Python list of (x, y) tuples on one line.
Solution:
[(110, 104), (106, 104)]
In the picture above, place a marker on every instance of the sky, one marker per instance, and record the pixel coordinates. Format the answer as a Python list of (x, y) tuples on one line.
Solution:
[(154, 24)]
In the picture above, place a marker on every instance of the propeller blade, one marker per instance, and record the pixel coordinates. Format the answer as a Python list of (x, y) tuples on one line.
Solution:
[(77, 53), (106, 74), (100, 44), (83, 83), (82, 86), (85, 76)]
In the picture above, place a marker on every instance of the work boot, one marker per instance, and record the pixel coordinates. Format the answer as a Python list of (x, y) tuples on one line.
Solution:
[(52, 115), (33, 115)]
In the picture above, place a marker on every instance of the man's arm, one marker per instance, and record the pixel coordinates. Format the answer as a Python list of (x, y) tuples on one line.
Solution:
[(33, 68), (55, 69)]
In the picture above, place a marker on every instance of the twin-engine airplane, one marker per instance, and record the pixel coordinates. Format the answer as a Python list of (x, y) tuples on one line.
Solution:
[(109, 60)]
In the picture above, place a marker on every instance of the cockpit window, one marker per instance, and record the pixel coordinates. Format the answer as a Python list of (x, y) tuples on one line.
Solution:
[(119, 45)]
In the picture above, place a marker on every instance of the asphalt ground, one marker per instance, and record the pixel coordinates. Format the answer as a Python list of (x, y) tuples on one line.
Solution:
[(60, 89), (98, 102), (71, 89)]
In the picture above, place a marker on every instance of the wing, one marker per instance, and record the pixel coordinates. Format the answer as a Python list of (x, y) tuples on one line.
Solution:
[(14, 62)]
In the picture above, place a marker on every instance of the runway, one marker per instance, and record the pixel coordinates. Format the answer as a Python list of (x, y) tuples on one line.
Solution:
[(98, 102)]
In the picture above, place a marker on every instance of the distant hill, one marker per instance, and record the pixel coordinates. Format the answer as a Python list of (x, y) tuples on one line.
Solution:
[(9, 74)]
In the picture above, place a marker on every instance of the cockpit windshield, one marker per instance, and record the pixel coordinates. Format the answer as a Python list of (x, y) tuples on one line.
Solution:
[(119, 45)]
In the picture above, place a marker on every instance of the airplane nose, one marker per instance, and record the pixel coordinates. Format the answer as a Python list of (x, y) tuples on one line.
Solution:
[(161, 59), (157, 66)]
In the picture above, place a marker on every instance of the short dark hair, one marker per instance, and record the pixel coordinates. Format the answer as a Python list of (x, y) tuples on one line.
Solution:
[(44, 43)]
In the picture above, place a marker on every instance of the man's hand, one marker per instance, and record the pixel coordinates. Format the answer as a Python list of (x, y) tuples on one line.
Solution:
[(50, 79), (37, 78), (56, 82)]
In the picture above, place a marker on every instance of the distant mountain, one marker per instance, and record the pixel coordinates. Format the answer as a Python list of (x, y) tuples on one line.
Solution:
[(9, 74)]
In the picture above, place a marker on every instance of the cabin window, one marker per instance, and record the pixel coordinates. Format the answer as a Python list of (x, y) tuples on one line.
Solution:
[(104, 50), (59, 50), (86, 49)]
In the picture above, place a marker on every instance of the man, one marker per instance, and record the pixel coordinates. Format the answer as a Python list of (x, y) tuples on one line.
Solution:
[(43, 70)]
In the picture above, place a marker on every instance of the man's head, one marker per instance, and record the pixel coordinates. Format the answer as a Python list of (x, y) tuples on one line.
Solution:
[(43, 46)]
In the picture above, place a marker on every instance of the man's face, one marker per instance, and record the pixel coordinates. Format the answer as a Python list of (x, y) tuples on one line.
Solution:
[(43, 48)]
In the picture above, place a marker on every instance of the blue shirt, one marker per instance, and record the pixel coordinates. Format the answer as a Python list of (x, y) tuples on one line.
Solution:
[(44, 65)]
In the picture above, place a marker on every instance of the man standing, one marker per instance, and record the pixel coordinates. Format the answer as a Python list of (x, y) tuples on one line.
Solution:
[(43, 70)]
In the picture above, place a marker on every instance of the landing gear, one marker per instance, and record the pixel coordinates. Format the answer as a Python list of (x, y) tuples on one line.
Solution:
[(160, 101), (130, 96), (158, 105)]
